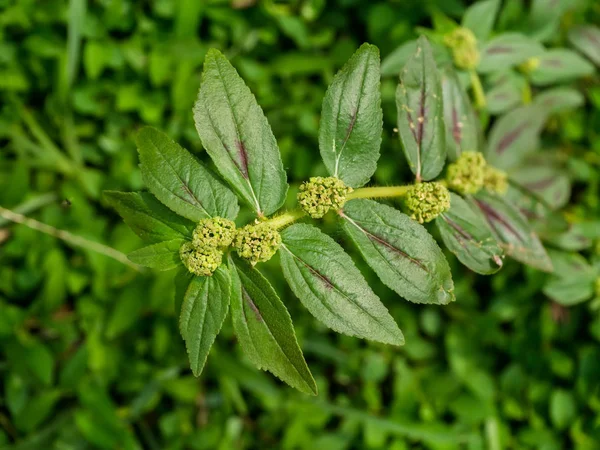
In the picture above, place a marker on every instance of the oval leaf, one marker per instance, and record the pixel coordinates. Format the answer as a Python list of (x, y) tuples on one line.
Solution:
[(506, 92), (586, 39), (264, 328), (420, 114), (507, 50), (400, 251), (462, 125), (235, 133), (559, 99), (147, 217), (547, 182), (513, 231), (180, 181), (161, 256), (203, 312), (393, 63), (559, 65), (480, 18), (328, 283), (467, 234), (352, 119)]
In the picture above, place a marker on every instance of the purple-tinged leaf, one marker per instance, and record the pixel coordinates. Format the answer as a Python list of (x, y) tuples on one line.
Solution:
[(505, 93), (559, 99), (558, 66), (547, 182), (507, 50), (586, 39)]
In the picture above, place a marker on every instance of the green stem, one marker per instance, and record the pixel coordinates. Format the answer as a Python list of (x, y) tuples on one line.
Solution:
[(32, 205), (478, 92), (286, 218), (379, 192)]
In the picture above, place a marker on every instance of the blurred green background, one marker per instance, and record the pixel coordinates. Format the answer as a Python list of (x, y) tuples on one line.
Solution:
[(90, 353)]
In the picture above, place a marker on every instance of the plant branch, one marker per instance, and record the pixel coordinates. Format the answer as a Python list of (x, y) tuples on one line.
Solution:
[(286, 218), (379, 192), (70, 238), (478, 92)]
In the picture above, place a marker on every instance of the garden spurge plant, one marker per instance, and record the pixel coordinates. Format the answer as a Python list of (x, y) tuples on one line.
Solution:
[(189, 219)]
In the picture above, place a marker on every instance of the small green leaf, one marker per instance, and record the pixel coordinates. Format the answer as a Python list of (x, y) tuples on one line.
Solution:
[(179, 181), (420, 113), (513, 231), (559, 65), (545, 181), (559, 99), (480, 18), (462, 125), (352, 119), (507, 50), (393, 63), (161, 256), (467, 234), (400, 251), (563, 408), (514, 136), (147, 217), (586, 39), (203, 312), (570, 291), (264, 328), (330, 286), (505, 93), (235, 133)]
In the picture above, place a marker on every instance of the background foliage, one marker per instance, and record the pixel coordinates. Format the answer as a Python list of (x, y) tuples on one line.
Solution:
[(90, 354)]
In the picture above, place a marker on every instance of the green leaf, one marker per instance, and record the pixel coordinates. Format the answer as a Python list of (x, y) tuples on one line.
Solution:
[(586, 39), (179, 181), (393, 63), (513, 231), (147, 217), (264, 328), (563, 408), (573, 280), (235, 133), (330, 286), (400, 251), (352, 119), (559, 99), (546, 181), (505, 93), (420, 113), (480, 18), (462, 125), (161, 256), (507, 50), (514, 136), (559, 65), (203, 312), (467, 234)]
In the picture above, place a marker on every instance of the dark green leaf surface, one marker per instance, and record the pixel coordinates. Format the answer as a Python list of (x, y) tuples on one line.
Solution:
[(328, 283), (264, 328), (480, 18), (203, 312), (161, 256), (421, 115), (513, 231), (467, 234), (400, 251), (235, 133), (147, 217), (507, 50), (559, 65), (515, 136), (462, 125), (179, 181), (586, 39), (352, 120)]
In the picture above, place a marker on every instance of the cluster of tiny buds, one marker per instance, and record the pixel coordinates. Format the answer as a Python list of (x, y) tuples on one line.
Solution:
[(426, 201), (257, 242), (470, 173), (318, 195), (204, 254), (463, 44)]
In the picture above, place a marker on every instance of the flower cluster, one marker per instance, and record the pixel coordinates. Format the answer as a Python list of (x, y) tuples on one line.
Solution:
[(202, 261), (426, 201), (321, 194), (203, 255), (495, 180), (257, 242), (463, 44), (466, 175)]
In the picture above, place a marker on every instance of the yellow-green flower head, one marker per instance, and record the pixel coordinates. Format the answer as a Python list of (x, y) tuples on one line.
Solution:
[(530, 65), (320, 194), (257, 242), (426, 201), (463, 44), (214, 232), (466, 175), (495, 180), (200, 261)]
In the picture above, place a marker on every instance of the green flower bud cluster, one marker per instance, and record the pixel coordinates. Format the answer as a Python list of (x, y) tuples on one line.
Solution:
[(463, 44), (204, 254), (466, 175), (495, 180), (257, 243), (426, 201), (321, 194)]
